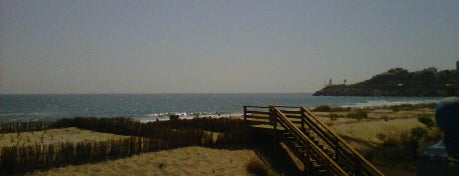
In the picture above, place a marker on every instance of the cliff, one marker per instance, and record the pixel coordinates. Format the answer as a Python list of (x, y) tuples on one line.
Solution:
[(400, 82)]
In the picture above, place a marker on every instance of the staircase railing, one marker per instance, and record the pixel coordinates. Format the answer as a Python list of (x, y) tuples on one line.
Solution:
[(345, 154), (312, 151), (306, 127)]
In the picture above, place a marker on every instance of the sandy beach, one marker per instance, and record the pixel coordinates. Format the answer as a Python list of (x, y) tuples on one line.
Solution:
[(361, 134), (174, 162)]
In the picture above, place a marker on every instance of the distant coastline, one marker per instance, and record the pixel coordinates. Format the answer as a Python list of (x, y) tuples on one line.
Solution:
[(152, 106), (400, 82)]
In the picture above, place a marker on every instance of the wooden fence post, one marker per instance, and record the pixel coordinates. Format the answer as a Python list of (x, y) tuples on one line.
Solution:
[(303, 116), (245, 113), (273, 116)]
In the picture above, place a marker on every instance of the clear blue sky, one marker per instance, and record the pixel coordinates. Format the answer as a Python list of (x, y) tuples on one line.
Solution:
[(170, 46)]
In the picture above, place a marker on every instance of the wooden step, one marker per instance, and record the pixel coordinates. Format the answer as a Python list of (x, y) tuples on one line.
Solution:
[(330, 153), (289, 118), (322, 172), (299, 147), (290, 137), (316, 165), (287, 134)]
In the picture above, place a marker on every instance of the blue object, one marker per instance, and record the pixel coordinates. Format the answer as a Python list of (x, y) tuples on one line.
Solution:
[(442, 158), (447, 117)]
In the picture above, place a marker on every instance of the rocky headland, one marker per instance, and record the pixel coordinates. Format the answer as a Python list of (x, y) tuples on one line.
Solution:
[(400, 82)]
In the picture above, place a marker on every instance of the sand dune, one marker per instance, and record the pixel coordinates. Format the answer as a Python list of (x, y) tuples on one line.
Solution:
[(175, 162), (367, 130)]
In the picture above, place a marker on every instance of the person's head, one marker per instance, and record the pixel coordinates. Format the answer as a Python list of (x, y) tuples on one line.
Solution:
[(447, 118)]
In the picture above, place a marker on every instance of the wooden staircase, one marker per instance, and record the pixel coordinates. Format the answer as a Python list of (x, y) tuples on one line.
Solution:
[(321, 151)]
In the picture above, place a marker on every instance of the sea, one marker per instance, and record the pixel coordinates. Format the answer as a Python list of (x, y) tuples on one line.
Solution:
[(152, 107)]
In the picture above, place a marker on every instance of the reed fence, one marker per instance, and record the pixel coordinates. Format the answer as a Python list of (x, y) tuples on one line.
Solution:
[(145, 137), (17, 127)]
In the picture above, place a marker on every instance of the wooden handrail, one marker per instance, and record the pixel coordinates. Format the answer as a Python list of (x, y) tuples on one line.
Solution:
[(345, 155), (286, 106), (317, 151), (372, 169), (257, 112), (261, 107)]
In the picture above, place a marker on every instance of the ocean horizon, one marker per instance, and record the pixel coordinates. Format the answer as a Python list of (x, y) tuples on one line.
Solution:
[(146, 107)]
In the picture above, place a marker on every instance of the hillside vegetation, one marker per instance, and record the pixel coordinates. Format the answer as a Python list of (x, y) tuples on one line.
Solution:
[(401, 82)]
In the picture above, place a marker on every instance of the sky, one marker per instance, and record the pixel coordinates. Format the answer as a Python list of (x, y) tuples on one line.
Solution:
[(235, 46)]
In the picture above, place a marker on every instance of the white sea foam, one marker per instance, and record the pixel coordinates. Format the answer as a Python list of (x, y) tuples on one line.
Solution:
[(164, 116), (159, 106), (382, 103)]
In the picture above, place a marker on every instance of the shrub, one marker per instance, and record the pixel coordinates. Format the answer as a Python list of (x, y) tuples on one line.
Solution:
[(400, 107), (435, 135), (339, 109), (401, 149), (428, 105), (426, 120), (322, 108), (334, 116), (381, 136), (395, 108), (419, 133), (386, 118), (359, 114), (408, 107), (395, 149)]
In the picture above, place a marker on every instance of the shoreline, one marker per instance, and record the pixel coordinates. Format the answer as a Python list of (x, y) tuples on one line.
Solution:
[(361, 134), (150, 107)]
